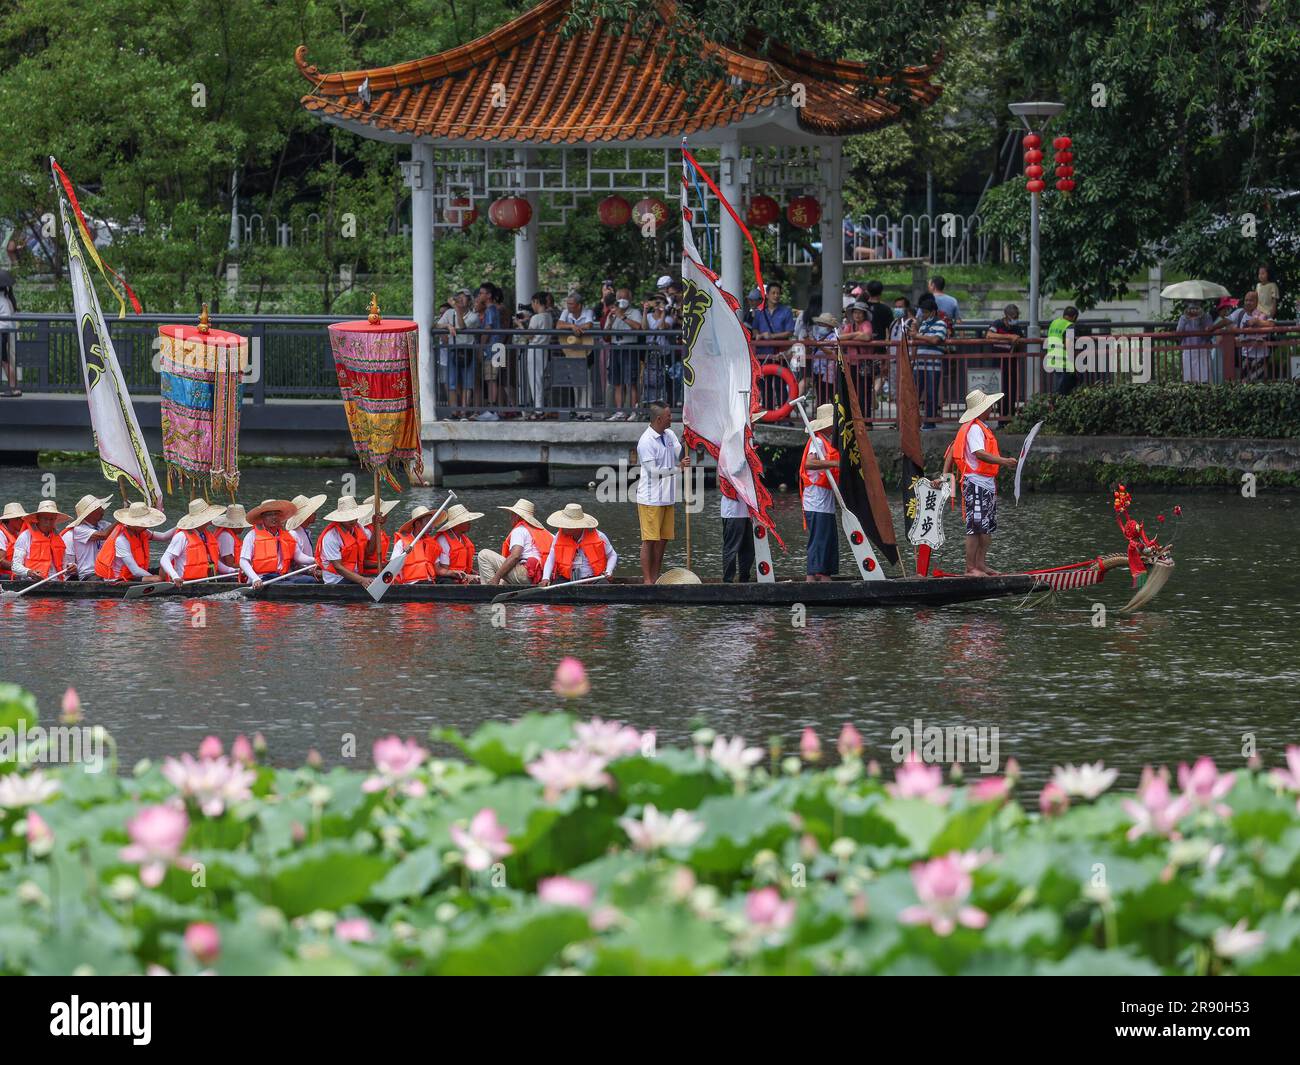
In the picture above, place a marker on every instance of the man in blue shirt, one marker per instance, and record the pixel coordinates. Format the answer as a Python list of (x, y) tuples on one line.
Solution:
[(947, 304), (773, 320)]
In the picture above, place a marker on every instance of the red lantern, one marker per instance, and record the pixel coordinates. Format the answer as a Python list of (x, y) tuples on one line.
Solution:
[(511, 212), (1065, 171), (1033, 156), (614, 211), (1066, 184), (1032, 140), (1061, 143), (1034, 171), (803, 212), (1036, 185), (460, 212), (763, 211), (650, 206)]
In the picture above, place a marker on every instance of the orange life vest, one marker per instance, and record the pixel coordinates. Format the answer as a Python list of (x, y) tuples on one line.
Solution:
[(418, 565), (353, 541), (266, 557), (200, 555), (370, 567), (460, 550), (566, 550), (818, 477), (107, 565), (540, 537), (7, 541), (987, 469), (45, 551)]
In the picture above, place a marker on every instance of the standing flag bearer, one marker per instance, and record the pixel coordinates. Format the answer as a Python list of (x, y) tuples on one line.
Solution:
[(975, 455)]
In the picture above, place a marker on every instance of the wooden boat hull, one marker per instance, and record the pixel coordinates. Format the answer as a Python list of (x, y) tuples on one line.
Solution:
[(909, 591)]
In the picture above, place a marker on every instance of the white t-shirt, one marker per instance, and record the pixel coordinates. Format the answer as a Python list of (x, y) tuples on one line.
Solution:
[(657, 485), (522, 539), (226, 543), (331, 550), (975, 442), (581, 567), (82, 549), (304, 541), (816, 499), (583, 317), (733, 508)]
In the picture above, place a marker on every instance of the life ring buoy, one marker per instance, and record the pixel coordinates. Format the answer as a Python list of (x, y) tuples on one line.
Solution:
[(782, 412)]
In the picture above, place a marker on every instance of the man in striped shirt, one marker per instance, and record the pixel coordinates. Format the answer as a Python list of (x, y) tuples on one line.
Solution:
[(931, 332)]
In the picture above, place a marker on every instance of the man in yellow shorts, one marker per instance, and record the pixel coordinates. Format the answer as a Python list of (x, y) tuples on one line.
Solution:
[(659, 453)]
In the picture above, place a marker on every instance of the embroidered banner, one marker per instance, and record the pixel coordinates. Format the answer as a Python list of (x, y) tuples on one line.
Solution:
[(202, 385)]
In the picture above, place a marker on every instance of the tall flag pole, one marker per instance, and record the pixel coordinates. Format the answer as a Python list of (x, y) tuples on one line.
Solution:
[(861, 484), (123, 456), (721, 373)]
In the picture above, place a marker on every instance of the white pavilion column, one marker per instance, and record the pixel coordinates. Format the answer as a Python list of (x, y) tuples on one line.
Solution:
[(730, 237), (420, 180), (832, 232), (526, 238)]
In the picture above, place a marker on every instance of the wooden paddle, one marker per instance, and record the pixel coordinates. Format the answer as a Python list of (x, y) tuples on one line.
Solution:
[(853, 529), (10, 594), (388, 574), (250, 590), (539, 589), (139, 591)]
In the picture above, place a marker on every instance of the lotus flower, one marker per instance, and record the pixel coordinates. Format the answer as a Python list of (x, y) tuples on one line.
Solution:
[(655, 831), (1178, 512), (766, 910), (1235, 941), (397, 761), (564, 891), (211, 748), (1087, 781), (608, 739), (850, 742), (1053, 799), (203, 941), (916, 780), (1203, 785), (157, 833), (71, 707), (39, 836), (1155, 811), (354, 930), (1289, 777), (30, 790), (210, 782), (242, 751), (943, 886), (734, 758), (561, 771), (989, 789), (810, 747), (570, 679), (485, 841)]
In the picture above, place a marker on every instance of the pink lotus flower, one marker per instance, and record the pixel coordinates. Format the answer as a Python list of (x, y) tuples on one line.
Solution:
[(71, 707), (1155, 811), (810, 747), (157, 833), (354, 930), (485, 841), (561, 771), (39, 836), (397, 762), (1053, 799), (916, 780), (570, 679), (564, 891), (242, 751), (608, 739), (850, 742), (211, 782), (943, 886), (211, 748), (766, 910), (203, 941), (1289, 777), (990, 789), (1203, 785)]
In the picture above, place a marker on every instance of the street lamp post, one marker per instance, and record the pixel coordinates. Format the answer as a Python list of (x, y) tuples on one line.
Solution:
[(1035, 115)]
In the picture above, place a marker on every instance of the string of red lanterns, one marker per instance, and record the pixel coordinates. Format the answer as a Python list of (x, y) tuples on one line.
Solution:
[(1064, 164)]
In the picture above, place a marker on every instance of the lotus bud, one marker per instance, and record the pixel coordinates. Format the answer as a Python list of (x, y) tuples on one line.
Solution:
[(203, 941), (850, 742), (570, 679), (210, 748), (241, 750), (314, 760), (71, 707), (259, 743), (810, 747)]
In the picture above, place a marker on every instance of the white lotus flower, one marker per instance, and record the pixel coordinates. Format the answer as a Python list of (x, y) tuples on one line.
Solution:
[(30, 790), (1235, 941), (1087, 781), (734, 758), (654, 830)]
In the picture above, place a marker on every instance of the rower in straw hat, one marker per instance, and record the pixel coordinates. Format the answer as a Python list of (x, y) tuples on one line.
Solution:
[(39, 551), (377, 552), (233, 520), (580, 550), (523, 551), (194, 552), (453, 551), (269, 549), (83, 535), (12, 520), (343, 542), (974, 453), (303, 519), (124, 555), (417, 564)]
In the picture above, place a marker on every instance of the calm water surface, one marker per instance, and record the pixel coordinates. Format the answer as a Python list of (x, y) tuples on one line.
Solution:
[(1213, 659)]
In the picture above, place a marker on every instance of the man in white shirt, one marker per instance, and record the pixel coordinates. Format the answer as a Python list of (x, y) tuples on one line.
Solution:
[(624, 354), (39, 553), (84, 535), (579, 551), (577, 321), (737, 540), (523, 552), (303, 519), (194, 530), (232, 521), (344, 542), (975, 455), (13, 519), (268, 544), (660, 454), (460, 351)]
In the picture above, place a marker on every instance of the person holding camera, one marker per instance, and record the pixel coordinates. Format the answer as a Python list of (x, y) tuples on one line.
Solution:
[(623, 322)]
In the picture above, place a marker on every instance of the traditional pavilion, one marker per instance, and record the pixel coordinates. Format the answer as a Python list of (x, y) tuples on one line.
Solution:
[(480, 118)]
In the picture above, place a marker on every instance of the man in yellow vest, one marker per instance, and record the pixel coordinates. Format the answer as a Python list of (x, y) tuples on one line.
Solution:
[(975, 455)]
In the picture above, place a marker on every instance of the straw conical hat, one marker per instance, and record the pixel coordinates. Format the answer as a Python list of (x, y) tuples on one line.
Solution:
[(387, 505), (678, 576), (825, 418), (282, 505), (457, 515), (86, 506), (306, 508), (12, 511), (139, 516), (48, 506), (977, 403), (524, 509), (348, 510), (572, 517), (417, 515), (232, 517), (200, 512)]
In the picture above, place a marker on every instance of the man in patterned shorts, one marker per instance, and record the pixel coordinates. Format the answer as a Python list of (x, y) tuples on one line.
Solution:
[(975, 454)]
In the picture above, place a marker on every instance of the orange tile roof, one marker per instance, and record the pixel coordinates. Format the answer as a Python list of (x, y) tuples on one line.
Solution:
[(582, 89)]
